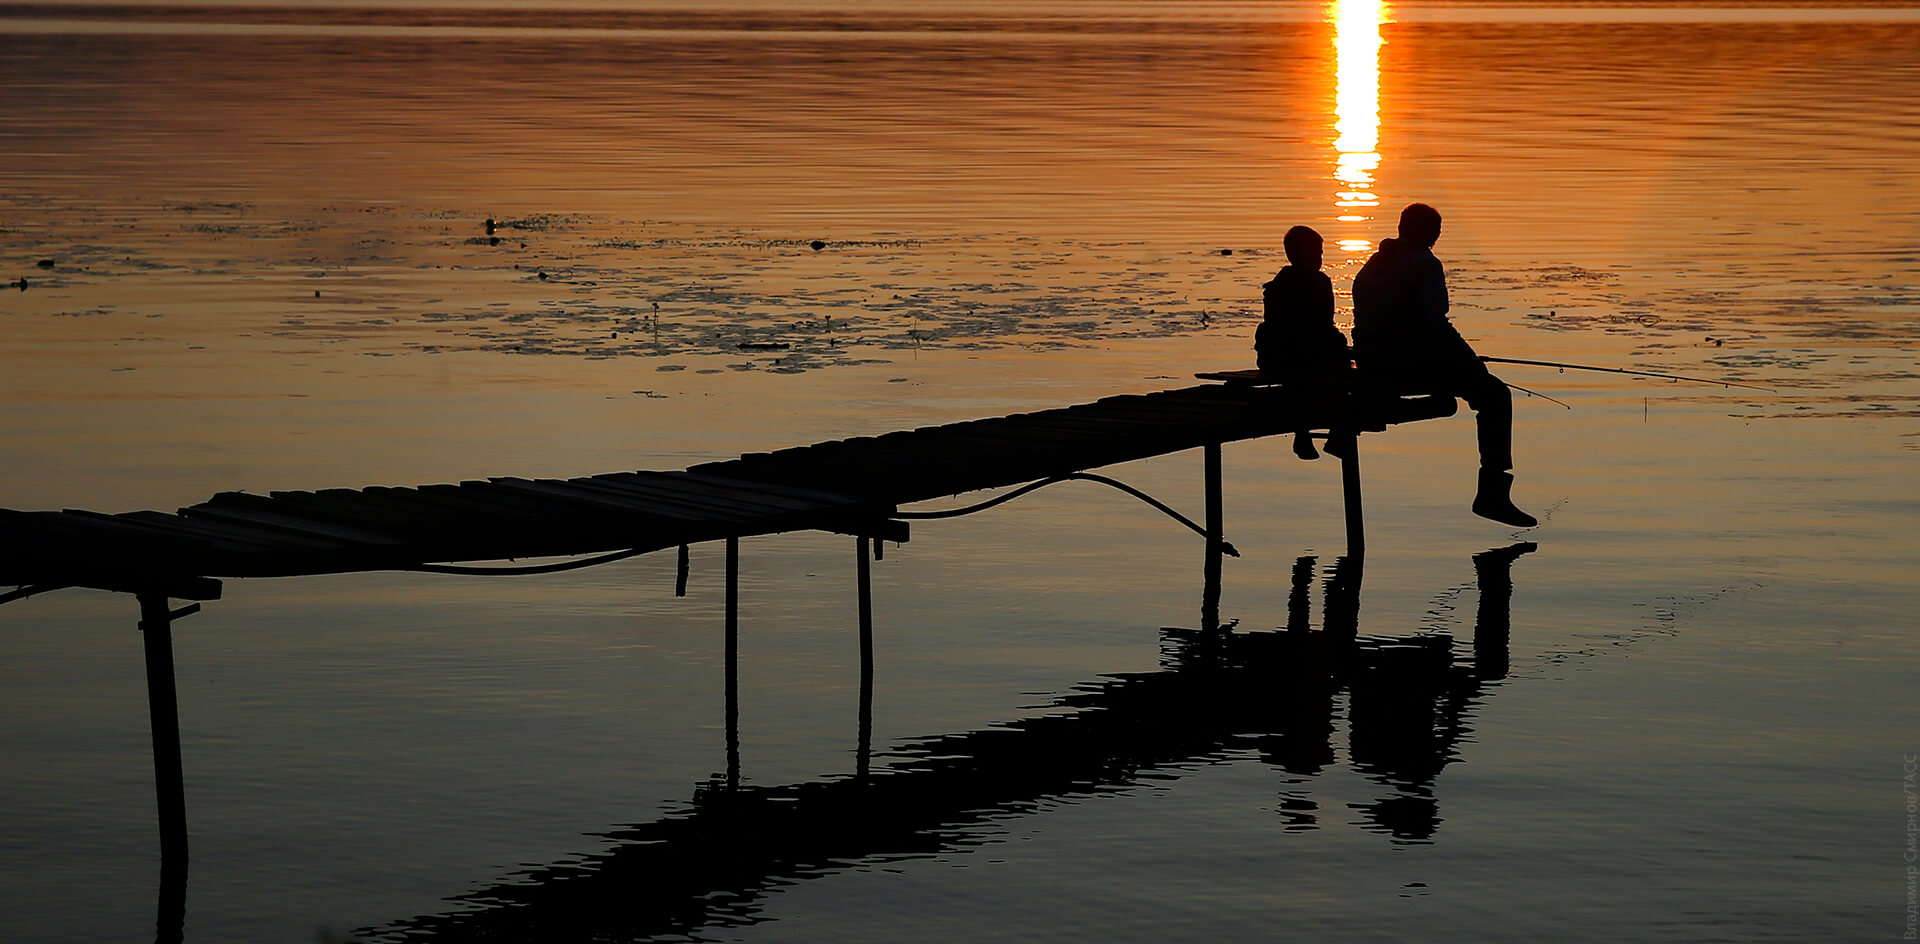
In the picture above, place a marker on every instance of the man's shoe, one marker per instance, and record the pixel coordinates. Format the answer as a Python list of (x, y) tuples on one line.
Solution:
[(1495, 502), (1303, 446)]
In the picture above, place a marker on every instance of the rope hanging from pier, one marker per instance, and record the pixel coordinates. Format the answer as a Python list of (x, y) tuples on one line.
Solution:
[(22, 593), (464, 571), (1225, 548), (554, 568)]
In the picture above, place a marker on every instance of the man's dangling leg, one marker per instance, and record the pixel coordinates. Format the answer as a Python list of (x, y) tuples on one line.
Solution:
[(1492, 404)]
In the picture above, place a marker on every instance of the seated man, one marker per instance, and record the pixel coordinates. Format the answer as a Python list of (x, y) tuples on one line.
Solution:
[(1404, 343), (1296, 341)]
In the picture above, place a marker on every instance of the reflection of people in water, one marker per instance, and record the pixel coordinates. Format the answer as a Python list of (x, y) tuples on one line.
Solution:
[(1296, 340), (1405, 344), (1216, 695), (1408, 703)]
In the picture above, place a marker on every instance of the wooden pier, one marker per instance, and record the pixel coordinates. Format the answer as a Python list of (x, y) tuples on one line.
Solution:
[(852, 486)]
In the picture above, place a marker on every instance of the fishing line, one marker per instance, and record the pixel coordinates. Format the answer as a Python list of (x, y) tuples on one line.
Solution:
[(1622, 370), (1535, 393)]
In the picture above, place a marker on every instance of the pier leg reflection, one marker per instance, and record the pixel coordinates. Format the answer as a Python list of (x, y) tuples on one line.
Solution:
[(1340, 618), (1300, 597)]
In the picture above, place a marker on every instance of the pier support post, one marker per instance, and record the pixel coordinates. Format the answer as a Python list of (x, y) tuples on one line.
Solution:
[(169, 783), (1350, 483), (733, 663), (169, 780), (864, 578), (1216, 527)]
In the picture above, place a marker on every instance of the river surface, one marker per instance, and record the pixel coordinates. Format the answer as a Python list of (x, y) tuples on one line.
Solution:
[(1682, 709)]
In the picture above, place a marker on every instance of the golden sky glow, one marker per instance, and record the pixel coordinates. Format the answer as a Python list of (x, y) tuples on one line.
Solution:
[(1356, 39)]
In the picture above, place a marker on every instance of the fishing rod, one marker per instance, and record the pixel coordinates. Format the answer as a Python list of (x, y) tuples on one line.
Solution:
[(1622, 370), (1535, 393)]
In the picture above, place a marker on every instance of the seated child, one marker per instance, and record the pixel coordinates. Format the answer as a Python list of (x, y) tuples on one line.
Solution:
[(1296, 341)]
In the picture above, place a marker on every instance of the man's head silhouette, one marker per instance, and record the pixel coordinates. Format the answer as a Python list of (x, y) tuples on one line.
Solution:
[(1420, 225)]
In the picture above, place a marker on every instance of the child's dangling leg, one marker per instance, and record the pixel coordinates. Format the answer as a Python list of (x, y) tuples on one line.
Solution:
[(1303, 445)]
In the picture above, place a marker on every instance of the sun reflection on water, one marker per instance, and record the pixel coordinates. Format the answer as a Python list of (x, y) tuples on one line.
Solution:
[(1356, 110)]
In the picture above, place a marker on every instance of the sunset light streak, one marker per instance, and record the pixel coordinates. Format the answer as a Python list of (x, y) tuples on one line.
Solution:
[(1357, 106)]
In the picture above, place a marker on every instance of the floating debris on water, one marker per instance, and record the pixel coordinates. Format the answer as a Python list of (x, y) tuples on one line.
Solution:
[(962, 293)]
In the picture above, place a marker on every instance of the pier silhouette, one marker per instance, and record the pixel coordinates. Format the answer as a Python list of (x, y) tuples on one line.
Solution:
[(852, 486)]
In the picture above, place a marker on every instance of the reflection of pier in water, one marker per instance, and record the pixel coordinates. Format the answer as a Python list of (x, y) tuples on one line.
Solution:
[(1407, 703)]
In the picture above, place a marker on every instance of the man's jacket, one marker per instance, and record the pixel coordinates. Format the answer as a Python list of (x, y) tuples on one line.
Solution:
[(1400, 325)]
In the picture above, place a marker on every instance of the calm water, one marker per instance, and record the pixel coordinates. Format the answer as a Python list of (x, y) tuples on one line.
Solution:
[(270, 270)]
